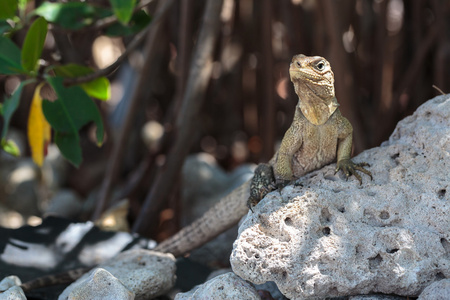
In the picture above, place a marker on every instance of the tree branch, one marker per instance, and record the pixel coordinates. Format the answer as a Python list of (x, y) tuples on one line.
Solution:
[(199, 76), (137, 40)]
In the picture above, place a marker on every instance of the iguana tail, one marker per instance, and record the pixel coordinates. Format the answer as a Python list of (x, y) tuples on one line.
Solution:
[(222, 216)]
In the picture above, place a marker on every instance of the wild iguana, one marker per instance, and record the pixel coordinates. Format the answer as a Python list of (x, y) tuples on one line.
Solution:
[(319, 135)]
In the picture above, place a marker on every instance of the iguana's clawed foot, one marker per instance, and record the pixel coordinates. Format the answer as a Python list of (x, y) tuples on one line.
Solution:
[(263, 182), (349, 168)]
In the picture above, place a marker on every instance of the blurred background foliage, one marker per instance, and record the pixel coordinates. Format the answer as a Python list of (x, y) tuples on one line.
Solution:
[(386, 56)]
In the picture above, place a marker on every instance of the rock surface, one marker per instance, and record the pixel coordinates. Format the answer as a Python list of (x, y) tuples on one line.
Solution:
[(226, 286), (146, 273), (10, 289), (100, 284), (65, 203), (439, 290), (328, 237)]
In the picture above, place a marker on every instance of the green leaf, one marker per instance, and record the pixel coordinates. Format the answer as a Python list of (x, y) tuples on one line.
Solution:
[(9, 107), (123, 9), (7, 9), (33, 44), (98, 88), (9, 57), (69, 145), (4, 26), (76, 109), (138, 22), (71, 15), (9, 146)]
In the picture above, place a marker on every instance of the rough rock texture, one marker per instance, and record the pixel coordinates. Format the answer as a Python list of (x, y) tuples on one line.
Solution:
[(100, 284), (439, 290), (377, 297), (226, 286), (147, 273), (329, 237), (10, 289)]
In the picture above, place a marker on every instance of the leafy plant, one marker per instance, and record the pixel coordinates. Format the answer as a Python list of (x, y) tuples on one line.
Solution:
[(73, 107)]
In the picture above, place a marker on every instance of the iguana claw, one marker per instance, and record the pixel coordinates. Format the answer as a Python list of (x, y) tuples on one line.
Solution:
[(263, 182), (349, 168)]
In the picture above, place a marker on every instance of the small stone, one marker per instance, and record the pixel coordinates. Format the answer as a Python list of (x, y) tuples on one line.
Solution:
[(439, 290), (226, 286), (13, 293), (100, 284), (10, 289), (8, 282), (147, 273)]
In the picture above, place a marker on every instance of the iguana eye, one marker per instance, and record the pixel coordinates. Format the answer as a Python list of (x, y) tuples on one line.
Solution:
[(298, 64), (320, 66)]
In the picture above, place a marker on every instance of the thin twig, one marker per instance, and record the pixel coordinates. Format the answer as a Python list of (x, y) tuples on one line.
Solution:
[(199, 77), (137, 40), (105, 22), (438, 89)]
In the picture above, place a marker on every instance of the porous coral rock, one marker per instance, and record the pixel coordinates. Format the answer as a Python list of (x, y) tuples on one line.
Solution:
[(329, 237)]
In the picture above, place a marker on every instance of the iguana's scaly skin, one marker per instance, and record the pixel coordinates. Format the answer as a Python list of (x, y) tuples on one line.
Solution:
[(262, 183), (319, 134)]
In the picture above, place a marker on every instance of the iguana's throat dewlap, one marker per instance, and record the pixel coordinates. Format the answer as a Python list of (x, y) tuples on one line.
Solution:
[(316, 110)]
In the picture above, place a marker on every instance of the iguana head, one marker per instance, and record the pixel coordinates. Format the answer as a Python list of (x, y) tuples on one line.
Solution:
[(314, 84)]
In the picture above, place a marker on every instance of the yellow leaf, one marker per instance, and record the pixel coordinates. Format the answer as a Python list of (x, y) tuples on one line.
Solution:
[(38, 128)]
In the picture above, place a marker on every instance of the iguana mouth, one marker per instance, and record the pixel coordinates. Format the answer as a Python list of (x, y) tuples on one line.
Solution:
[(306, 74)]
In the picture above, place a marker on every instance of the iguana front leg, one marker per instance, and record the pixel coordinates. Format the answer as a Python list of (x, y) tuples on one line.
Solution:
[(290, 144), (344, 162)]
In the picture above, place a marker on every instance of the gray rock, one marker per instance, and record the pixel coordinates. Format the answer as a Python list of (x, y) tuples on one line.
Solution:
[(271, 288), (147, 273), (377, 297), (439, 290), (226, 286), (330, 237), (8, 282), (65, 203), (100, 284), (19, 186), (10, 289), (13, 293)]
